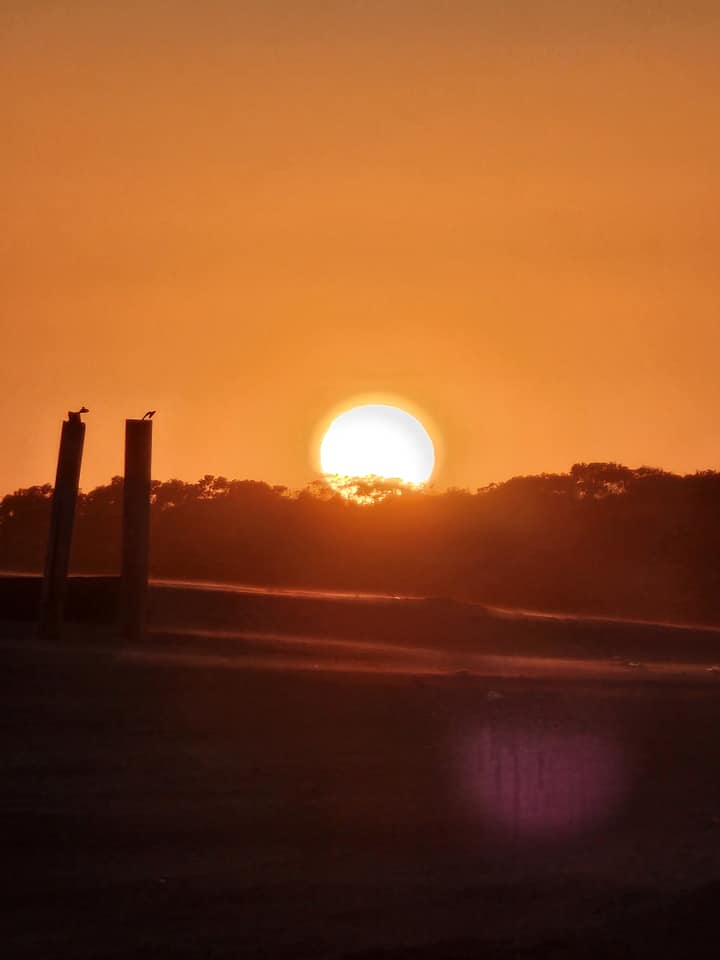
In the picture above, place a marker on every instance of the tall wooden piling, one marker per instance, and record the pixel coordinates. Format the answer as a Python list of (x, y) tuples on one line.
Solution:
[(136, 526), (62, 518)]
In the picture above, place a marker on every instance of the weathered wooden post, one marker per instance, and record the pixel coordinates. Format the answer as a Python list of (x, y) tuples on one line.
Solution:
[(136, 526), (62, 517)]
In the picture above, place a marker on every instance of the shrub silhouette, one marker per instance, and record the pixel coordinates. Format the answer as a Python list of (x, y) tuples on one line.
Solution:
[(603, 538)]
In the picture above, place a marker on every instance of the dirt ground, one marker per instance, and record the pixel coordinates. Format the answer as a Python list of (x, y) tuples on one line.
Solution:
[(283, 797)]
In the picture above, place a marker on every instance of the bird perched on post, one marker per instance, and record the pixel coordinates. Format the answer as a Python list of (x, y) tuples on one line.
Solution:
[(149, 415), (75, 414)]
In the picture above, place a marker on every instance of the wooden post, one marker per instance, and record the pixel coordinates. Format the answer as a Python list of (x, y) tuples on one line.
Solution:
[(62, 518), (136, 526)]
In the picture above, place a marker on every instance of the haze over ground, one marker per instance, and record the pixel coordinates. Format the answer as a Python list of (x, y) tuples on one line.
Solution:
[(242, 214)]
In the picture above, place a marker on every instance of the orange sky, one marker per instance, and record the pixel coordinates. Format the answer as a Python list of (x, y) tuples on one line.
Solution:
[(242, 213)]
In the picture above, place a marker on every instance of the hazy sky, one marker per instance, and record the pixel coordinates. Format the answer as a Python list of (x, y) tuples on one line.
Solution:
[(244, 213)]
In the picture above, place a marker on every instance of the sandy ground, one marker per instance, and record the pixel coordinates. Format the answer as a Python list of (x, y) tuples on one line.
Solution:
[(264, 792)]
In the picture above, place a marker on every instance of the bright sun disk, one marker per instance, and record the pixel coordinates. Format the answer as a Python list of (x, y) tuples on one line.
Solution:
[(378, 440)]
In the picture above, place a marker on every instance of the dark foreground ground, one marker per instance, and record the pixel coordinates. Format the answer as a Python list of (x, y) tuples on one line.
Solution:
[(303, 800)]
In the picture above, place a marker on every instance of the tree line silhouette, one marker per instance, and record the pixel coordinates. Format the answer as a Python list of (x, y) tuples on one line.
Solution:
[(602, 538)]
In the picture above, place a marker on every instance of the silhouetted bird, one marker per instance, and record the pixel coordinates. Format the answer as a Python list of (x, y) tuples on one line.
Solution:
[(75, 414), (149, 415)]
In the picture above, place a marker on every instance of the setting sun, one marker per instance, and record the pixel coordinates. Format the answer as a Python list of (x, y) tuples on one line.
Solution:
[(378, 440)]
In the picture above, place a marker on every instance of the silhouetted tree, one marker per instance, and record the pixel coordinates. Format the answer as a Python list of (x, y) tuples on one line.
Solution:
[(24, 523), (602, 537)]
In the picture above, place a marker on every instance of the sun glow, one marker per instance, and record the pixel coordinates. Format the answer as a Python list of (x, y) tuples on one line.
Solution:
[(376, 440)]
